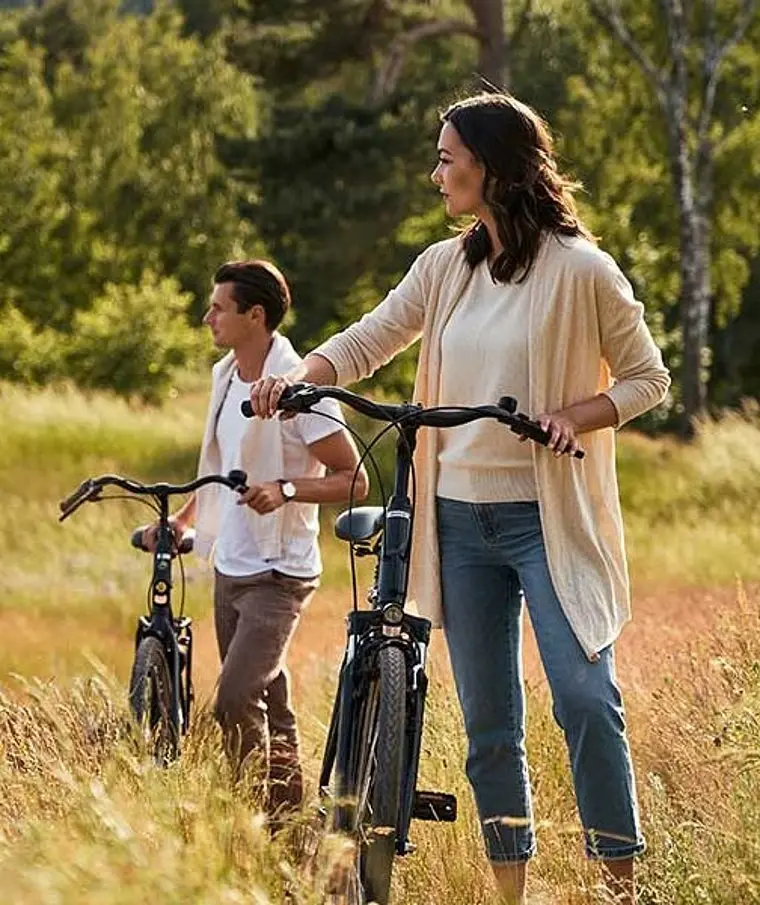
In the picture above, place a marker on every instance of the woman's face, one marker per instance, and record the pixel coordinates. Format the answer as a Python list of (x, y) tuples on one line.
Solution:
[(458, 175)]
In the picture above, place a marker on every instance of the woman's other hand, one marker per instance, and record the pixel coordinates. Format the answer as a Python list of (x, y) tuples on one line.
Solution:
[(562, 433)]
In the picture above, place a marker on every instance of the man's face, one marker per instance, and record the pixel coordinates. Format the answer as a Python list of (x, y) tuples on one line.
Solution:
[(228, 327)]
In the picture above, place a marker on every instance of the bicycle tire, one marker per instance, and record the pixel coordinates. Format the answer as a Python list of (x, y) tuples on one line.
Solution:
[(150, 699), (377, 761)]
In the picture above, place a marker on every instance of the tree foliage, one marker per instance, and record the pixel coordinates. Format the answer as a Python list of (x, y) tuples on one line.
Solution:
[(109, 127), (145, 142)]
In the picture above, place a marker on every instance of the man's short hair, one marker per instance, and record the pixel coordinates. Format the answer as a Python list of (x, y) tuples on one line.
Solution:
[(257, 283)]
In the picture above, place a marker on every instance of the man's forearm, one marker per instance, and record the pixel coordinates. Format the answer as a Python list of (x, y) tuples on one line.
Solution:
[(185, 515), (333, 488)]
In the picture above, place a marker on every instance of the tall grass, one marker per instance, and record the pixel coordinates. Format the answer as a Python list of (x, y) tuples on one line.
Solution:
[(691, 510), (85, 817)]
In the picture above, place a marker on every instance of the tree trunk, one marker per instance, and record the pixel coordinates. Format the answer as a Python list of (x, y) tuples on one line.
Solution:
[(694, 310), (493, 64), (694, 302)]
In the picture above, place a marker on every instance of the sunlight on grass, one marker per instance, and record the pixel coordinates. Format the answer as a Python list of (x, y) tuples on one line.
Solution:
[(85, 818)]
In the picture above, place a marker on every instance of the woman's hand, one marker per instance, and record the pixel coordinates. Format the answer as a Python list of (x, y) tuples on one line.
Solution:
[(266, 393), (562, 433)]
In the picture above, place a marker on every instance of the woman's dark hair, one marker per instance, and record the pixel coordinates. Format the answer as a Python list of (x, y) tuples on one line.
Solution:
[(523, 187), (257, 283)]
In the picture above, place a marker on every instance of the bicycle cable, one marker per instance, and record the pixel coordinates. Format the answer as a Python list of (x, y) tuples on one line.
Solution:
[(183, 583), (126, 496), (365, 455), (396, 424)]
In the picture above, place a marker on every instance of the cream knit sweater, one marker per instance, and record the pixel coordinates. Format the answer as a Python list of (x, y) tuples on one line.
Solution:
[(482, 462), (584, 328)]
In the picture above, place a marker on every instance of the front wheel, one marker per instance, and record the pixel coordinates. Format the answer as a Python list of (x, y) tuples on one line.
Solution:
[(150, 698), (374, 780)]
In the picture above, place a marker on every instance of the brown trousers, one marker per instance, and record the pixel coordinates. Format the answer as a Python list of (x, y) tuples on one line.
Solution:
[(255, 618)]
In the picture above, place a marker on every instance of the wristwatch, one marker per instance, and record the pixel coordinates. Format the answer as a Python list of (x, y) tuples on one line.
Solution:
[(288, 489)]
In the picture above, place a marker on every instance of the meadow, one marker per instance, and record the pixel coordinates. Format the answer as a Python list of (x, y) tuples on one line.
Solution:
[(85, 818)]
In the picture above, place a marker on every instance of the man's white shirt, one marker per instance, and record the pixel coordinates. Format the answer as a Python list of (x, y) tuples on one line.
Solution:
[(235, 551)]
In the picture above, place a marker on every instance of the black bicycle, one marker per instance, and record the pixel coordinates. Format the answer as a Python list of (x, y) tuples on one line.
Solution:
[(160, 686), (368, 777)]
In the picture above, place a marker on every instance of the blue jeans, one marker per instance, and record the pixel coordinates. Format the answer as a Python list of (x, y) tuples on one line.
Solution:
[(489, 552)]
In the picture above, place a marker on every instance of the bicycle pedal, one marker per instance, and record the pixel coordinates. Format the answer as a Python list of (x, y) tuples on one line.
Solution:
[(440, 806)]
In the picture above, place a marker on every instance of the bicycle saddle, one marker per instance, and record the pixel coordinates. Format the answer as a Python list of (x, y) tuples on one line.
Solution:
[(362, 523), (185, 545)]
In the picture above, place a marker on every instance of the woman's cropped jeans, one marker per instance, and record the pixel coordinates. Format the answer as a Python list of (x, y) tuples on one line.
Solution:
[(489, 552)]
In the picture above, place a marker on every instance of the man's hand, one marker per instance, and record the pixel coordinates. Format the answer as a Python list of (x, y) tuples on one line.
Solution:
[(262, 498), (150, 534)]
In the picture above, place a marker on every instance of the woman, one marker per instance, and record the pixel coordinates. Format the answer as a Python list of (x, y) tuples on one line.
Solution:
[(521, 303)]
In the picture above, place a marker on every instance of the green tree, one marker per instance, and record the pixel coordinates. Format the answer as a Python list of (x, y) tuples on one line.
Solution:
[(341, 166), (119, 152), (691, 59)]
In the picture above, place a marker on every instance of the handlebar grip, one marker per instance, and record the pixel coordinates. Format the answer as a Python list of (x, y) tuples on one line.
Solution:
[(73, 498), (290, 400), (534, 431)]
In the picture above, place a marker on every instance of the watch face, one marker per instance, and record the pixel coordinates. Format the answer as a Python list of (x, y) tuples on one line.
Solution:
[(288, 489)]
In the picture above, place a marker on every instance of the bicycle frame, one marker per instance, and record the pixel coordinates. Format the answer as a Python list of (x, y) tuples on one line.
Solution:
[(386, 623), (175, 634), (370, 630)]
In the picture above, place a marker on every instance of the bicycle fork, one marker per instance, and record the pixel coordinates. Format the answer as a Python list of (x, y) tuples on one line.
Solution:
[(413, 641)]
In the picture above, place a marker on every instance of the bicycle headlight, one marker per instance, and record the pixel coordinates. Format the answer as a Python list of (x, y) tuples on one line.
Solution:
[(393, 614)]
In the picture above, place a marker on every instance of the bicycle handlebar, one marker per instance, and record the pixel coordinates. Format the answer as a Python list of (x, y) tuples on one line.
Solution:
[(91, 488), (300, 397)]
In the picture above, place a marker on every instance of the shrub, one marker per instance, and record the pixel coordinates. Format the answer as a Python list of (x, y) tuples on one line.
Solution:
[(134, 338)]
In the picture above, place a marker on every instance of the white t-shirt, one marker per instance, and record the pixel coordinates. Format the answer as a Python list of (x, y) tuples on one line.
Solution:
[(235, 552)]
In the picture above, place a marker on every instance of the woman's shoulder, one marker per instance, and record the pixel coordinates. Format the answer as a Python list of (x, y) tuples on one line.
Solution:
[(581, 255), (441, 254), (594, 274)]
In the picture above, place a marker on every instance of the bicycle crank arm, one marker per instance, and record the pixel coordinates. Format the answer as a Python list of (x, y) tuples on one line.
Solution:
[(440, 806)]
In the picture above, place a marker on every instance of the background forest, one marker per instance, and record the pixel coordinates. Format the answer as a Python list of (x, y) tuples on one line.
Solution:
[(143, 143)]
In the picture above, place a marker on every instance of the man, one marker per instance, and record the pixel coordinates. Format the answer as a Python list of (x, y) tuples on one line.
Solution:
[(264, 542)]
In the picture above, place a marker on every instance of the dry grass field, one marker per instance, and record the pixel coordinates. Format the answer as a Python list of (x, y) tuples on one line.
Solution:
[(85, 818)]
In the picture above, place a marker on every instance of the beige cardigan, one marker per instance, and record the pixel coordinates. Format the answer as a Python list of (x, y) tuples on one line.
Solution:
[(585, 326)]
